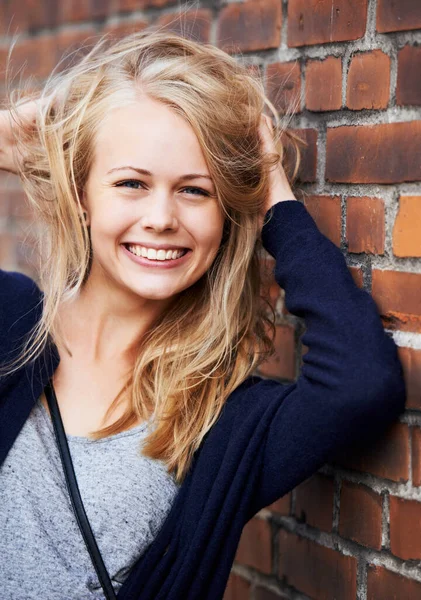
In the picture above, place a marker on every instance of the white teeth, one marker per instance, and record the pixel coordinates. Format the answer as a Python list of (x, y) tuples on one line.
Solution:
[(153, 254)]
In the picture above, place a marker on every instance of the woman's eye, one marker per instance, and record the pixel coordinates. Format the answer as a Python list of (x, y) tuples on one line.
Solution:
[(199, 191), (130, 183)]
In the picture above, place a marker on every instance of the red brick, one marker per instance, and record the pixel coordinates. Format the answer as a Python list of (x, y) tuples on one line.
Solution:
[(308, 164), (327, 213), (319, 572), (282, 363), (314, 502), (250, 26), (129, 5), (328, 95), (322, 21), (416, 456), (73, 44), (386, 153), (361, 515), (365, 225), (101, 9), (398, 15), (194, 24), (74, 10), (408, 88), (237, 588), (283, 84), (407, 227), (36, 55), (125, 28), (254, 548), (263, 594), (357, 275), (387, 457), (281, 506), (368, 83), (411, 363), (385, 585), (398, 300), (405, 527)]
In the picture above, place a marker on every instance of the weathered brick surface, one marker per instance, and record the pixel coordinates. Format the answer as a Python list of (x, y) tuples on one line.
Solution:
[(387, 153), (283, 86), (314, 502), (254, 549), (282, 363), (321, 22), (360, 517), (237, 588), (281, 506), (387, 458), (326, 211), (398, 299), (398, 16), (411, 363), (416, 456), (194, 24), (316, 578), (329, 95), (308, 165), (365, 225), (368, 81), (405, 526), (407, 227), (385, 585), (245, 27), (408, 88)]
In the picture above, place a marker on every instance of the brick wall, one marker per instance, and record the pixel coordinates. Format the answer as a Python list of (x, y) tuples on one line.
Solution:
[(351, 69)]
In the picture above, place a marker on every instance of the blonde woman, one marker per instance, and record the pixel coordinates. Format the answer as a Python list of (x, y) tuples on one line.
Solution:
[(157, 180)]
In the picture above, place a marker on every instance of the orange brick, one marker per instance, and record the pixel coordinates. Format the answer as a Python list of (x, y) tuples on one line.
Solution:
[(316, 22), (407, 227), (398, 16), (283, 84), (357, 275), (405, 527), (365, 225), (125, 28), (314, 502), (254, 548), (37, 55), (416, 456), (73, 44), (324, 84), (308, 567), (237, 588), (74, 10), (385, 585), (282, 363), (398, 300), (194, 24), (387, 457), (263, 594), (308, 163), (250, 26), (327, 213), (281, 506), (368, 83), (129, 5), (411, 363), (408, 87), (361, 515), (386, 153)]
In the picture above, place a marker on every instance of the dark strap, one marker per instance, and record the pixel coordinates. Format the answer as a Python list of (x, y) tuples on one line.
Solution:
[(78, 508)]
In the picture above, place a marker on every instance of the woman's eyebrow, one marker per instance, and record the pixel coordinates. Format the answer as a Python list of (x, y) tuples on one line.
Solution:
[(148, 173)]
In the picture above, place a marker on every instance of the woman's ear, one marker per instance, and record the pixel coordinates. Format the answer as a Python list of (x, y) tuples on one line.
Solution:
[(85, 212)]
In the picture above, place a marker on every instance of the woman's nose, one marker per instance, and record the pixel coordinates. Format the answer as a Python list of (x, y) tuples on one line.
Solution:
[(160, 213)]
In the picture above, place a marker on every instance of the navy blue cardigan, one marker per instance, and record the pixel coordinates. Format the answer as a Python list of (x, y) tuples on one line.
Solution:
[(270, 436)]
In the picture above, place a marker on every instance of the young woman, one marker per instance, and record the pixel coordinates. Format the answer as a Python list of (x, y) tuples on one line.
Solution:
[(157, 179)]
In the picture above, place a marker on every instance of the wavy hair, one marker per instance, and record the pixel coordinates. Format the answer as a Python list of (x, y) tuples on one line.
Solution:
[(219, 330)]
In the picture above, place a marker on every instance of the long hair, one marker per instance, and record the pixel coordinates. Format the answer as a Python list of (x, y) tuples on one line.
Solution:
[(219, 330)]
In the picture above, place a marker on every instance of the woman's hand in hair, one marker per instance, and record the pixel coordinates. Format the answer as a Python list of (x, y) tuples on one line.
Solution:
[(25, 117), (279, 187)]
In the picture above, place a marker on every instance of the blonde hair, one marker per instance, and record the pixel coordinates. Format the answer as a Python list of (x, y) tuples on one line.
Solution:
[(216, 332)]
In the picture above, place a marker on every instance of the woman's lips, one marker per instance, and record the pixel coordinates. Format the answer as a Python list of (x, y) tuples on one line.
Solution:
[(158, 264)]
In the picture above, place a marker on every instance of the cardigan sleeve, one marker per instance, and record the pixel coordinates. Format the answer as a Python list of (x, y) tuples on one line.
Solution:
[(351, 384), (20, 304)]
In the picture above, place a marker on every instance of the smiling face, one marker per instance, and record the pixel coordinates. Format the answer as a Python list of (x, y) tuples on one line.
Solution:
[(156, 223)]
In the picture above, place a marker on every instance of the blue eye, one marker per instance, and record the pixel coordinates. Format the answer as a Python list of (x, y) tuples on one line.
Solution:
[(135, 184), (199, 190), (130, 183)]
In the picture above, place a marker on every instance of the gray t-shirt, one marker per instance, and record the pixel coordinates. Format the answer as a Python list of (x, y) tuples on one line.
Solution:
[(126, 495)]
